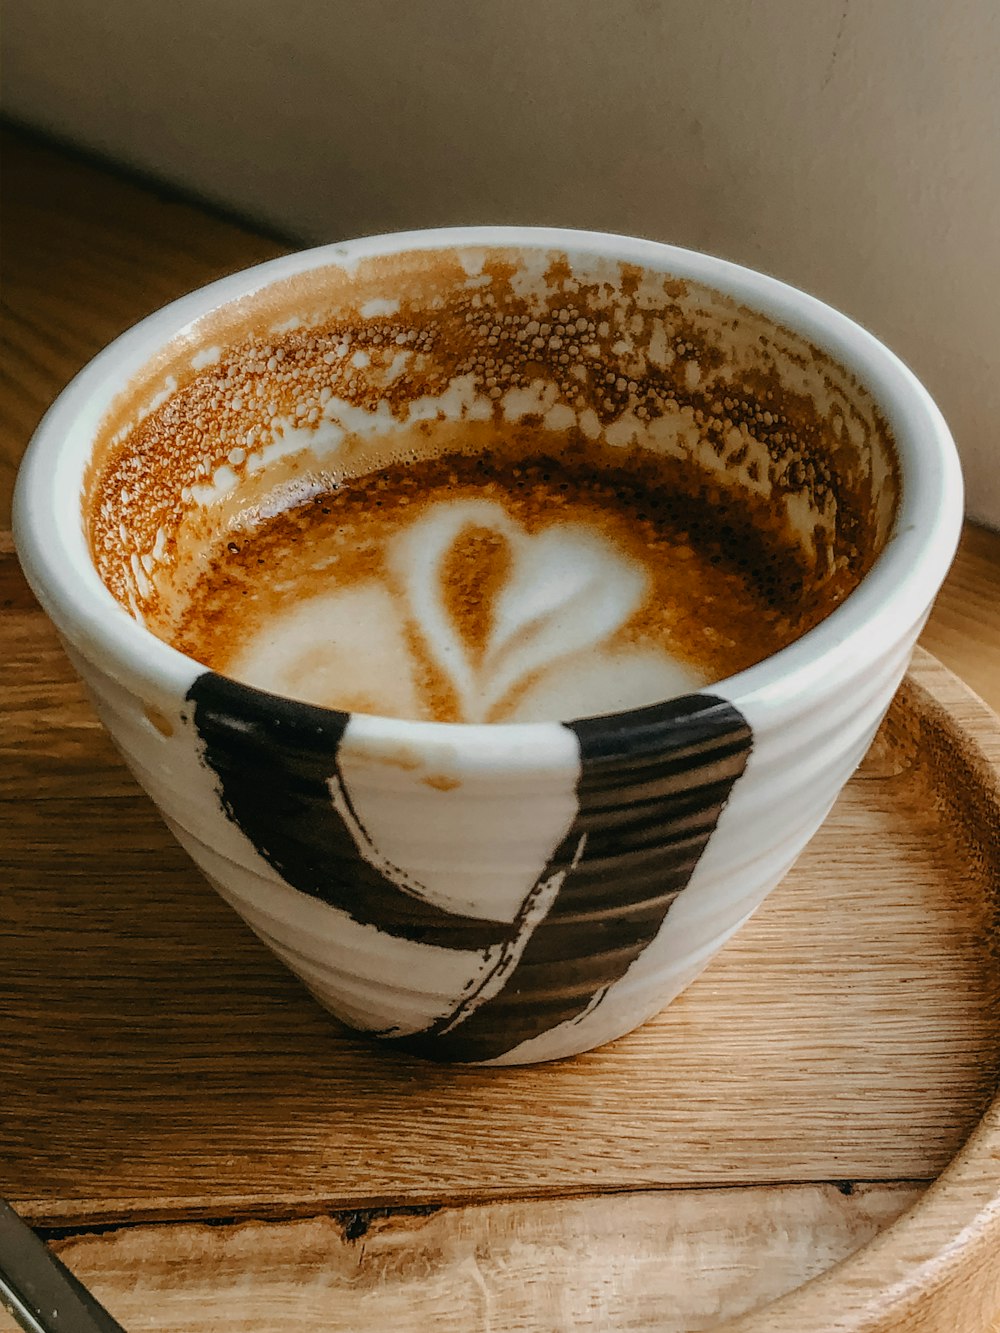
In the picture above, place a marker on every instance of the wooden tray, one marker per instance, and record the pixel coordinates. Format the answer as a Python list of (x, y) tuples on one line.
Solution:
[(778, 1125)]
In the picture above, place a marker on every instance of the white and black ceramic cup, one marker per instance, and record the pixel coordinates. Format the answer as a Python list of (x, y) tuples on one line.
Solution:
[(515, 892)]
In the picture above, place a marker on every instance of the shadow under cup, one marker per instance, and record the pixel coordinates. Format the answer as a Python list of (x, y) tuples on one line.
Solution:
[(521, 892)]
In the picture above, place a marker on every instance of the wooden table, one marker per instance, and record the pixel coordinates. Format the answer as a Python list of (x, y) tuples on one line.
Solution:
[(87, 252)]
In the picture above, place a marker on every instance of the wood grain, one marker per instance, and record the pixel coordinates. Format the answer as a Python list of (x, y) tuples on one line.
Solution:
[(964, 628), (156, 1063), (669, 1262), (86, 253)]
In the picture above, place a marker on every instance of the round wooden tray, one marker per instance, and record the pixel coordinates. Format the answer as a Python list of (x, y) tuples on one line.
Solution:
[(207, 1150)]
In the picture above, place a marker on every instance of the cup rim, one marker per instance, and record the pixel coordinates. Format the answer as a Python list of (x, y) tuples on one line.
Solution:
[(889, 602)]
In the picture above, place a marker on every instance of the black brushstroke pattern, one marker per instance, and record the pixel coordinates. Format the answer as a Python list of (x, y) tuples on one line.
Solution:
[(652, 787), (274, 759), (653, 784)]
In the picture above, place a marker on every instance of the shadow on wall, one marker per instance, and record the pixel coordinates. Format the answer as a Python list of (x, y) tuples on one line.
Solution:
[(849, 148)]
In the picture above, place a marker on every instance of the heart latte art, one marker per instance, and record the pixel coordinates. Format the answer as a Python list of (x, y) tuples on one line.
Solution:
[(511, 622), (483, 588)]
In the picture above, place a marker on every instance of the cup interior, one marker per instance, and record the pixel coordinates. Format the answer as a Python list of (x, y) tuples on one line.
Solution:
[(351, 367)]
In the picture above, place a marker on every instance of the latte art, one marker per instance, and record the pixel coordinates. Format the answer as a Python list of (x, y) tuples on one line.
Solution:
[(509, 619), (493, 586)]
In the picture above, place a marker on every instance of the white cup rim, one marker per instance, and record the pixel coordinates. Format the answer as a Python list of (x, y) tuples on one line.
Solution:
[(891, 599)]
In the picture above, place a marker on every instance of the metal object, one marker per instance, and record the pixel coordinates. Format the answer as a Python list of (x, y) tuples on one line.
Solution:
[(39, 1290)]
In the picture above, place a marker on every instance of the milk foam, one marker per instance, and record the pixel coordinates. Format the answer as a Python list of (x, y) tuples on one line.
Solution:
[(550, 647)]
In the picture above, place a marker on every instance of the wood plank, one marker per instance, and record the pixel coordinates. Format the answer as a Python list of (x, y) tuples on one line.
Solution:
[(937, 1270), (655, 1261), (86, 253), (964, 628), (157, 1062)]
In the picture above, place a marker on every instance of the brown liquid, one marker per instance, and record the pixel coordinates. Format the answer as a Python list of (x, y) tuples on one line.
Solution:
[(717, 592)]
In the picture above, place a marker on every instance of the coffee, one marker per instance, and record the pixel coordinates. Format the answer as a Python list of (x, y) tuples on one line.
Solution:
[(484, 486), (536, 576)]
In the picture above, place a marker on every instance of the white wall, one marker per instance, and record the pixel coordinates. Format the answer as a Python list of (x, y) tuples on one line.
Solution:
[(849, 146)]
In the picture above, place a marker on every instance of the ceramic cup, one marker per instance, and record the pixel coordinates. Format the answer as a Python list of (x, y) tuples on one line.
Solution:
[(472, 892)]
